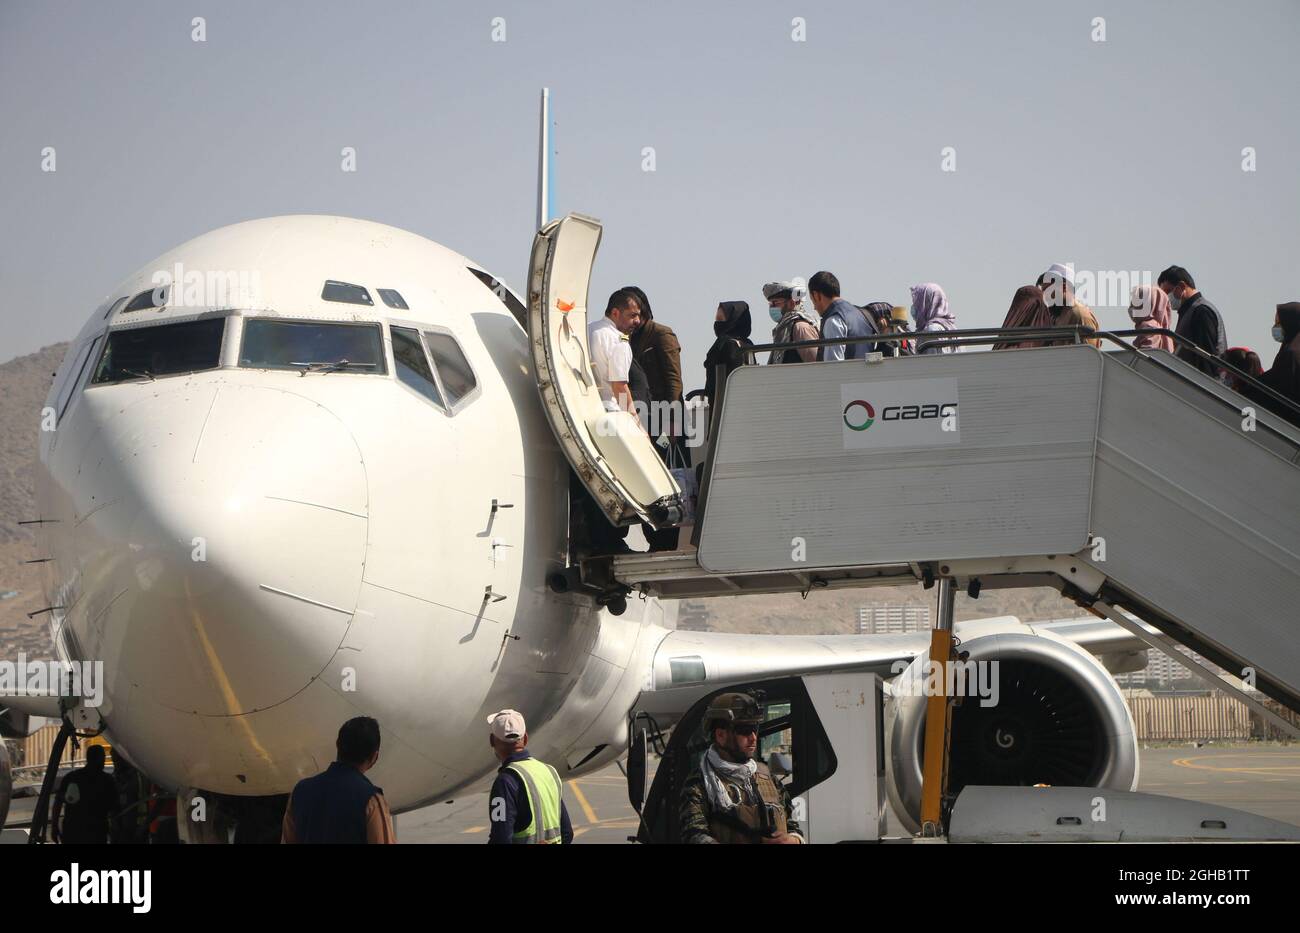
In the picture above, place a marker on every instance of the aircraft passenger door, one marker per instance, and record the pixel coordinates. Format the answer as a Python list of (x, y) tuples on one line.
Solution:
[(613, 457)]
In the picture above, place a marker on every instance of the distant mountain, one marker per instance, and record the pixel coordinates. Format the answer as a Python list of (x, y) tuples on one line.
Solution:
[(24, 383)]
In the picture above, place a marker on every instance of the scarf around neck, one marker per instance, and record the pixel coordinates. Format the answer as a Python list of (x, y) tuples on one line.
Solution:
[(713, 767)]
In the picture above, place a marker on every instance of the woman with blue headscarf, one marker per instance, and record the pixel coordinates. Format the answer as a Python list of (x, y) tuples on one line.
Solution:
[(931, 314)]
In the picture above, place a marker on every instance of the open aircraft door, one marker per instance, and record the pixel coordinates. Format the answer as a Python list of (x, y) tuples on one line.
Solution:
[(613, 457)]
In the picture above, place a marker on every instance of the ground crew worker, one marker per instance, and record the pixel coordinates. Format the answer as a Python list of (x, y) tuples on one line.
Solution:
[(340, 805), (526, 804), (89, 796), (732, 797)]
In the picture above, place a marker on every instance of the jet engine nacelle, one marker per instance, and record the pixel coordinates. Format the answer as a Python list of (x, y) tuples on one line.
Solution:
[(1036, 709)]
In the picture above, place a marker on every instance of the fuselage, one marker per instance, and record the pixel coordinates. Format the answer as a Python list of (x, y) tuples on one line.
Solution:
[(260, 551)]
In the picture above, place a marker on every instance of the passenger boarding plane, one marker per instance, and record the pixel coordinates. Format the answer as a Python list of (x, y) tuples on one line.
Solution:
[(334, 491)]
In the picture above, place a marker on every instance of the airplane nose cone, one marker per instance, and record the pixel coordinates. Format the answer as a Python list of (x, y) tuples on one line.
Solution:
[(221, 530)]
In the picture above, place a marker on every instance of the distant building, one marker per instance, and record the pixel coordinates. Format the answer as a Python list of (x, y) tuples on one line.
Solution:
[(692, 616), (1165, 675), (893, 619)]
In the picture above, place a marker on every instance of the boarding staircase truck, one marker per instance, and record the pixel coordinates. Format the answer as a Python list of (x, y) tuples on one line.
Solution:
[(1154, 496)]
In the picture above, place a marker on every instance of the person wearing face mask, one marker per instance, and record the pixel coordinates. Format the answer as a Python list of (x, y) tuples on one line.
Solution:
[(732, 798), (1283, 377), (791, 323), (731, 327), (1148, 306), (1199, 321)]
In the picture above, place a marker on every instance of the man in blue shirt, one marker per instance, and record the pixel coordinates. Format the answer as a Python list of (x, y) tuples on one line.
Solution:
[(839, 319), (526, 803)]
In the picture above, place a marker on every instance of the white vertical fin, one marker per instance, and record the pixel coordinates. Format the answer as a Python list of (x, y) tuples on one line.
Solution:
[(545, 207)]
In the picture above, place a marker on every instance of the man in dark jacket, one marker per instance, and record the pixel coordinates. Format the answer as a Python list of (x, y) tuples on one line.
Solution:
[(657, 352), (340, 805), (655, 347), (1198, 320)]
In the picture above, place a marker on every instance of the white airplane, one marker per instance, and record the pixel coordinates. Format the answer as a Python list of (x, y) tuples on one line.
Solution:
[(336, 490), (340, 497)]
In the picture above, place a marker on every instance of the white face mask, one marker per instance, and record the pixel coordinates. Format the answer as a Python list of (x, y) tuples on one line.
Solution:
[(1174, 301), (1277, 333)]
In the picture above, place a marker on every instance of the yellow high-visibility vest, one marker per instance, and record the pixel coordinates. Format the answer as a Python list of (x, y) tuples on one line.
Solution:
[(544, 788)]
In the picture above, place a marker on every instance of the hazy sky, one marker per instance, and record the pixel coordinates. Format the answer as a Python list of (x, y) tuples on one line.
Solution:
[(773, 158)]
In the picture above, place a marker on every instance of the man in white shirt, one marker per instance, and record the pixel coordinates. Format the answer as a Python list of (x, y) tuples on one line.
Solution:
[(611, 351)]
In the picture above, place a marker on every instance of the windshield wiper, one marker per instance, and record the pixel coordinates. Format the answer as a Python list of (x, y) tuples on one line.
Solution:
[(323, 367), (139, 374)]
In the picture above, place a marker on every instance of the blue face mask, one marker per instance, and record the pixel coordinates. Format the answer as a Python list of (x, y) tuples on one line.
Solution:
[(775, 312), (1277, 333)]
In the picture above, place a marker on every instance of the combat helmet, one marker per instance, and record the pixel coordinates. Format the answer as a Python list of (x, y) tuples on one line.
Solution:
[(732, 707)]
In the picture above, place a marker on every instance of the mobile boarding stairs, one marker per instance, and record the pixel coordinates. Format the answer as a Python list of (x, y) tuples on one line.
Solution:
[(1124, 478)]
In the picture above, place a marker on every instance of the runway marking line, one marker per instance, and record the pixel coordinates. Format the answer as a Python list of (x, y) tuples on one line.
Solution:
[(1286, 770), (582, 802)]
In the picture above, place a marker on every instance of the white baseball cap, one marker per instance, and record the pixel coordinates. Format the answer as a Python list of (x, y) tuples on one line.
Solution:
[(508, 725)]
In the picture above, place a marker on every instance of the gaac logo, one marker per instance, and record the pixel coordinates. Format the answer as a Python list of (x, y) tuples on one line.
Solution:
[(900, 413), (859, 415)]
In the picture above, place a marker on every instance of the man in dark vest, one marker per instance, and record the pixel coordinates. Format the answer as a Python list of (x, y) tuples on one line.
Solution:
[(731, 797), (1198, 320), (340, 805), (840, 319)]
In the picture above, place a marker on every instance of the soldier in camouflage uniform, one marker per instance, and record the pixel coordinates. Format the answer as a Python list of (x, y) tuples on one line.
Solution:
[(731, 798)]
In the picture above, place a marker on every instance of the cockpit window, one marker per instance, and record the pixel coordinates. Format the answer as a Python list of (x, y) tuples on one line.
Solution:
[(153, 298), (349, 294), (498, 288), (162, 350), (114, 306), (453, 369), (314, 346), (412, 365), (393, 298)]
